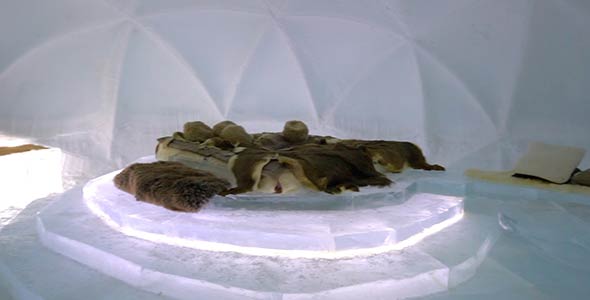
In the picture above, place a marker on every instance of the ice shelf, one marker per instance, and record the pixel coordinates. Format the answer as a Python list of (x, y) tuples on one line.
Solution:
[(312, 225), (68, 227), (488, 253)]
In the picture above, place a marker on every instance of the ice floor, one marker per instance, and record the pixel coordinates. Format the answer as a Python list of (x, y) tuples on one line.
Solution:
[(511, 243), (27, 176)]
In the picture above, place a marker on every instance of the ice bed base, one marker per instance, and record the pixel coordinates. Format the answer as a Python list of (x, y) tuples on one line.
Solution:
[(69, 228), (314, 225), (463, 251)]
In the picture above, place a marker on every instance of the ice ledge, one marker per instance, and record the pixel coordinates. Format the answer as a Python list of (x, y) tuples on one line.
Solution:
[(354, 224), (69, 228)]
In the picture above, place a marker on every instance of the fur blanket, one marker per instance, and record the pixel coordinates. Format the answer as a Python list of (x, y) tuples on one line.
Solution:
[(267, 162), (329, 168), (170, 184), (19, 149), (280, 162)]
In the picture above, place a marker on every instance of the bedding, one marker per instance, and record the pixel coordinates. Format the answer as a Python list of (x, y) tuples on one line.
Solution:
[(19, 149), (170, 184), (553, 163), (281, 162), (505, 177)]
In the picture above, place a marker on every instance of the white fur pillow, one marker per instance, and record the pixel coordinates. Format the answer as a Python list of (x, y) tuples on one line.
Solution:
[(550, 162)]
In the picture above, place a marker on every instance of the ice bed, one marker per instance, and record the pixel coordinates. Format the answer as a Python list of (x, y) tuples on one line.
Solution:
[(477, 239)]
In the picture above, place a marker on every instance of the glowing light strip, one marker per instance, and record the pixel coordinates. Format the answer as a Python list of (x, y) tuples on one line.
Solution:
[(222, 247)]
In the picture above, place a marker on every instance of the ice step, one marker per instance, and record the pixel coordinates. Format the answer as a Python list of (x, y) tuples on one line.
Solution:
[(28, 270), (69, 228), (313, 225)]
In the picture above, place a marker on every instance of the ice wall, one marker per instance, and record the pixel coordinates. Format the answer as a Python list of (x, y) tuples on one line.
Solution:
[(469, 80)]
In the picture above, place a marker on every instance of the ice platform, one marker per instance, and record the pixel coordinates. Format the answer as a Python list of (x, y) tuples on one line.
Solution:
[(313, 225), (488, 253), (68, 227)]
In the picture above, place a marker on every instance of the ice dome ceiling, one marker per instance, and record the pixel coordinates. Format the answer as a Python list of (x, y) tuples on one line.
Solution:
[(103, 79)]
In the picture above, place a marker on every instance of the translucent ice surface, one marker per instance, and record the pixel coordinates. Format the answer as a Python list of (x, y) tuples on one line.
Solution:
[(512, 243), (309, 225), (182, 272)]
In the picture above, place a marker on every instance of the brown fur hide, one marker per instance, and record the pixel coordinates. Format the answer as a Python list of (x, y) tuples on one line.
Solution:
[(284, 161), (19, 149), (197, 131), (170, 184), (394, 156), (277, 140), (328, 168)]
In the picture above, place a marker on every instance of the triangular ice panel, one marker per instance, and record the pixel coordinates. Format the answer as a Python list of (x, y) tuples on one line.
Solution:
[(386, 103), (157, 95), (455, 122), (217, 45), (373, 13), (67, 88), (273, 87), (551, 99), (125, 7), (155, 7), (28, 24), (338, 51), (484, 56), (422, 16)]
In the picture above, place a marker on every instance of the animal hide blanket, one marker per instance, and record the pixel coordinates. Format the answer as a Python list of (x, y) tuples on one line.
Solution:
[(329, 168), (170, 184)]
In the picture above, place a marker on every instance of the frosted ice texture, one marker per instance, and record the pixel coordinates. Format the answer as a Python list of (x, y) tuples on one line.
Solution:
[(313, 222), (467, 80), (181, 272), (513, 243)]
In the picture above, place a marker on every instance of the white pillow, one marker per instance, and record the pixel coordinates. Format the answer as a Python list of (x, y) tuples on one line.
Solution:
[(550, 162)]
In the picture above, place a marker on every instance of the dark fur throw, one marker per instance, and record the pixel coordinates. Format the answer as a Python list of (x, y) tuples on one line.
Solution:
[(170, 184), (328, 168)]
